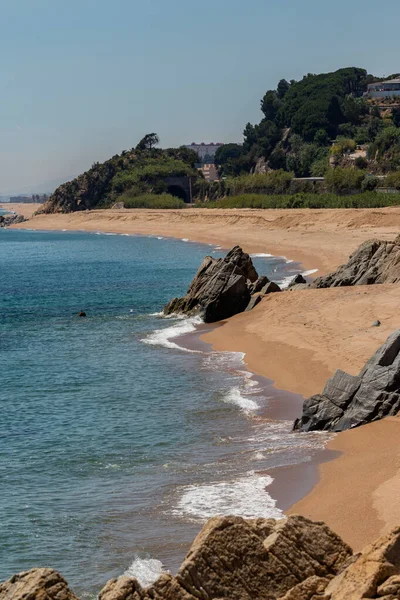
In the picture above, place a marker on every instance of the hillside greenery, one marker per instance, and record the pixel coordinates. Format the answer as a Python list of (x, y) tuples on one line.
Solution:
[(302, 118), (139, 171)]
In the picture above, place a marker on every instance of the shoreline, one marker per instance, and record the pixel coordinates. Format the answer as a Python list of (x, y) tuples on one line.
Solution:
[(300, 338)]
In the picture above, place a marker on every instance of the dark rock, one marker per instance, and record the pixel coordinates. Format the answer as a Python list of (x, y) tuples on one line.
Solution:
[(82, 314), (349, 401), (297, 279), (374, 261), (376, 323), (7, 220), (270, 288), (221, 287), (258, 285)]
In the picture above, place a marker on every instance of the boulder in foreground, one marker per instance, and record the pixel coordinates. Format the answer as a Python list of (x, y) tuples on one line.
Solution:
[(221, 288), (250, 559), (349, 401), (36, 584)]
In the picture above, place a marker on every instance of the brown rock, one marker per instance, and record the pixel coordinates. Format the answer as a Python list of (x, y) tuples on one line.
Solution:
[(312, 588), (375, 573), (237, 559), (36, 584)]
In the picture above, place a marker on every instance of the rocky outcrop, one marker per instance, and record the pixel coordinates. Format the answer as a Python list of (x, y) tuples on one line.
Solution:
[(222, 287), (7, 220), (374, 261), (349, 401), (36, 584), (244, 560), (297, 280), (254, 559)]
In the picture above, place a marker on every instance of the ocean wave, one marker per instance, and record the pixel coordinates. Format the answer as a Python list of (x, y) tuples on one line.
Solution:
[(246, 497), (185, 240), (164, 337), (145, 570), (261, 255), (235, 396), (310, 272)]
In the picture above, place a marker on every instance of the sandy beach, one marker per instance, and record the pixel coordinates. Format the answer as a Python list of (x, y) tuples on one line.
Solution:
[(300, 338)]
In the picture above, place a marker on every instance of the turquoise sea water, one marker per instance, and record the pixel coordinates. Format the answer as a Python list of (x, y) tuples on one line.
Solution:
[(117, 440)]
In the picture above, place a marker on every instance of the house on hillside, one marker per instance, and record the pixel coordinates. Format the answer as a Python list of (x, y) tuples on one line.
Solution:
[(384, 89)]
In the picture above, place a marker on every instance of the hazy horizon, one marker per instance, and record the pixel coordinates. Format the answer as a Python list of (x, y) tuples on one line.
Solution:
[(85, 80)]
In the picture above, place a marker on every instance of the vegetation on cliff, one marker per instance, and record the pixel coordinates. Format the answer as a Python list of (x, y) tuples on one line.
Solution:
[(301, 118), (141, 170)]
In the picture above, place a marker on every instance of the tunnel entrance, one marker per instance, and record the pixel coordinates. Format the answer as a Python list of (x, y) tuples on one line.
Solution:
[(178, 192)]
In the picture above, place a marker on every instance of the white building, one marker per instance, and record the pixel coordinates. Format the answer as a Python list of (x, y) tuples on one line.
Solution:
[(204, 149)]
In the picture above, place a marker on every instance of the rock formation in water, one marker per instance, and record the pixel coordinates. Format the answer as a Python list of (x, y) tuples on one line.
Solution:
[(7, 220), (374, 261), (349, 401), (255, 559), (222, 287)]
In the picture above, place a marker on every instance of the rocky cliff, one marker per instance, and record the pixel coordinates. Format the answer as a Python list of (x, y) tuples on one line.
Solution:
[(223, 287), (374, 261), (349, 401), (256, 559)]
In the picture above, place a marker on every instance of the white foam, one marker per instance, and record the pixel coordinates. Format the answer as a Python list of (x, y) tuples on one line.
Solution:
[(311, 272), (245, 497), (261, 255), (234, 396), (164, 337), (184, 240), (160, 238), (145, 570)]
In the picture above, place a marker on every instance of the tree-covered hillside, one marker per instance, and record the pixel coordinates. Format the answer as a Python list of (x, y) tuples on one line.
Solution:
[(302, 118), (133, 173)]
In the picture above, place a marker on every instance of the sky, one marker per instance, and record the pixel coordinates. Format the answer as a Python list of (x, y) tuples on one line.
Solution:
[(82, 80)]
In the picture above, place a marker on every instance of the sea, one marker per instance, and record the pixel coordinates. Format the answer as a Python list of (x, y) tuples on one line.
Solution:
[(121, 433)]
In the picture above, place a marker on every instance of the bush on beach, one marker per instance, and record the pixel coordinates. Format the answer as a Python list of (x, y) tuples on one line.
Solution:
[(151, 201)]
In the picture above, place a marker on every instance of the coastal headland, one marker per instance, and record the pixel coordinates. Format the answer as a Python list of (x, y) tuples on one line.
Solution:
[(299, 338)]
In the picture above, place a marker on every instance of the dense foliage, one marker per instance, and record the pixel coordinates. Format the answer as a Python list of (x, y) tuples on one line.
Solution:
[(151, 201), (302, 118), (365, 200)]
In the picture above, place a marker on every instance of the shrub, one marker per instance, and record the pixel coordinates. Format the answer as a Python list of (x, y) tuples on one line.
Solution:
[(274, 182), (369, 184), (344, 180), (151, 201), (365, 200), (393, 180)]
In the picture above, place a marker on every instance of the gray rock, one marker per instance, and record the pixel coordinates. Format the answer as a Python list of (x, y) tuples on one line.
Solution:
[(349, 401), (297, 279), (270, 288), (7, 220), (258, 285), (375, 261), (376, 323), (256, 299), (221, 287)]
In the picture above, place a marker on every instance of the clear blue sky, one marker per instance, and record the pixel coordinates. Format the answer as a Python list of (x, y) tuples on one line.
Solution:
[(84, 79)]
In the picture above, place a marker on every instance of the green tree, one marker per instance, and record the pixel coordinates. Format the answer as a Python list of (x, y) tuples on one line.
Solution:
[(148, 142), (270, 105), (282, 88)]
